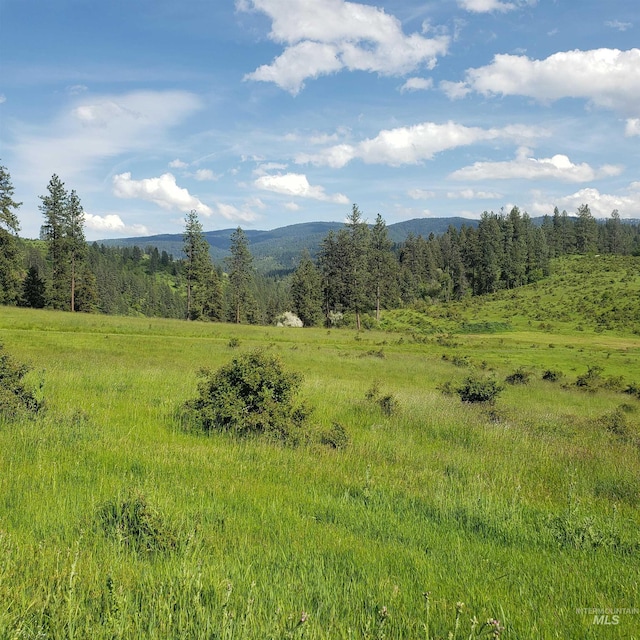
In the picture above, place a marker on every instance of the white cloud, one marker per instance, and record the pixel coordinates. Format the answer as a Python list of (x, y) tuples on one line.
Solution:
[(416, 84), (608, 78), (485, 6), (411, 145), (455, 90), (178, 164), (470, 194), (421, 194), (326, 36), (633, 127), (292, 206), (264, 168), (162, 191), (3, 98), (205, 175), (559, 167), (296, 184), (616, 24), (230, 212), (95, 128), (113, 223), (601, 204)]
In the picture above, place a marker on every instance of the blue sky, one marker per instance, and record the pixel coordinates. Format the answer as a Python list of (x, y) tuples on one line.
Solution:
[(264, 113)]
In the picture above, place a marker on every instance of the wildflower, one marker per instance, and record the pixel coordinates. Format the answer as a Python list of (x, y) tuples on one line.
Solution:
[(303, 617)]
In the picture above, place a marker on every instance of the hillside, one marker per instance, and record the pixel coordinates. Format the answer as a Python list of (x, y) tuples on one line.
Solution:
[(280, 248), (593, 293)]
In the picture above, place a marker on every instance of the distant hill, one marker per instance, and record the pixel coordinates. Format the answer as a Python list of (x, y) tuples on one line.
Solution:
[(279, 249)]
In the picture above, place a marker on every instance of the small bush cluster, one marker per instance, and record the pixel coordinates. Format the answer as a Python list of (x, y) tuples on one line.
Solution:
[(253, 394), (388, 403), (335, 437), (133, 523), (16, 399), (479, 389), (552, 375), (519, 376)]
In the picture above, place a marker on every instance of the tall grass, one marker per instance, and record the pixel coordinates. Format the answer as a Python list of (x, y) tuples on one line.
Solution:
[(525, 511)]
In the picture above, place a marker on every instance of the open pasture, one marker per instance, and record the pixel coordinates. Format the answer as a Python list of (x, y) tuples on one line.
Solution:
[(527, 511)]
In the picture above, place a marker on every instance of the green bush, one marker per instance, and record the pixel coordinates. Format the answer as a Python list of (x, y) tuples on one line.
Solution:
[(15, 398), (335, 437), (519, 376), (478, 389), (253, 394), (552, 375), (133, 523)]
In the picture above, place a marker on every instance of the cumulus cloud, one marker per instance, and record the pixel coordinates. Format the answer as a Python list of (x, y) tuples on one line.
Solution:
[(470, 194), (235, 214), (296, 184), (113, 223), (486, 6), (178, 164), (416, 84), (411, 145), (601, 204), (162, 191), (326, 36), (421, 194), (205, 175), (558, 167), (608, 78), (633, 127)]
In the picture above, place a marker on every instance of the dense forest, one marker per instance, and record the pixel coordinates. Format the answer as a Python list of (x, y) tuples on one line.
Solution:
[(357, 271)]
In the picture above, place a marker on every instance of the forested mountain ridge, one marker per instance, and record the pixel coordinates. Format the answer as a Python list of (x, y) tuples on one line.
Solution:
[(281, 248)]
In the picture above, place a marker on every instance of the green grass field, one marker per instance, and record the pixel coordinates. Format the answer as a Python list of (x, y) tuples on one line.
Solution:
[(527, 512)]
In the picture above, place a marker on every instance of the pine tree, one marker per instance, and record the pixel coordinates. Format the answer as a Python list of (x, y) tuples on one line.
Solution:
[(240, 277), (75, 246), (53, 208), (203, 283), (586, 229), (382, 266), (9, 247), (355, 267), (34, 290), (306, 291)]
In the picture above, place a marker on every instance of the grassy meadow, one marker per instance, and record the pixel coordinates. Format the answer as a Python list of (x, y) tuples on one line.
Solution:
[(527, 511)]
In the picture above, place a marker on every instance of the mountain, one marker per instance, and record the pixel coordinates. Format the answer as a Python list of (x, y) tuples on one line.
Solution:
[(279, 249)]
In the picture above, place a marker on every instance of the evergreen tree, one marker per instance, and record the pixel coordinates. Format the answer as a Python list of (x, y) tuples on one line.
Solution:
[(355, 267), (9, 248), (34, 290), (382, 266), (586, 230), (204, 293), (490, 254), (75, 247), (53, 208), (306, 291), (240, 277)]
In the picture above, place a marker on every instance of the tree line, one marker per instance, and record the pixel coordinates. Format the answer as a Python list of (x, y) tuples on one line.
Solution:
[(357, 271)]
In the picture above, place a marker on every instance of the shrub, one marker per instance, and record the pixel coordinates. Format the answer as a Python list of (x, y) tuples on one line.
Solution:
[(552, 375), (519, 376), (132, 522), (15, 398), (233, 343), (591, 380), (335, 437), (477, 389), (253, 394), (388, 404)]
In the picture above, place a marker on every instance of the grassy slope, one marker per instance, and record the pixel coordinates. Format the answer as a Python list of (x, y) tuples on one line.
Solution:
[(497, 508)]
